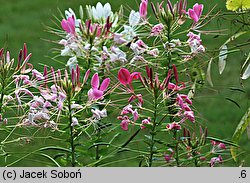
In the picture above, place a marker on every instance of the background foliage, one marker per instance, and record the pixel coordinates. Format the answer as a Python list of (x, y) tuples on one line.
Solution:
[(26, 21)]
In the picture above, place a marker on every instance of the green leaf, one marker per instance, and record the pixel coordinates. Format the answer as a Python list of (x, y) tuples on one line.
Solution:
[(235, 36), (231, 100), (54, 148), (50, 158), (223, 141), (222, 58), (239, 131), (209, 78)]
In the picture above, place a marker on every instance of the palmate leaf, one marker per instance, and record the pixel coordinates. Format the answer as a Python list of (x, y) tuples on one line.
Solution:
[(242, 126)]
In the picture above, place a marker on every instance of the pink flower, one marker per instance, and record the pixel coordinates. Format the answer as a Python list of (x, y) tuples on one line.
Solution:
[(143, 8), (125, 122), (97, 92), (37, 75), (218, 144), (173, 126), (189, 115), (157, 29), (139, 97), (180, 99), (215, 160), (168, 157), (125, 77), (127, 109), (196, 12), (69, 25), (145, 121), (222, 146), (174, 87), (135, 115)]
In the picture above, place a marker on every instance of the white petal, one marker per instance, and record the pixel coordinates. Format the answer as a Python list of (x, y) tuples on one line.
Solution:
[(134, 18), (94, 13), (107, 10), (99, 10)]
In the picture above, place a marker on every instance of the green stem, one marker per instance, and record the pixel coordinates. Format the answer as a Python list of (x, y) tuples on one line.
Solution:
[(153, 132), (2, 95), (97, 157), (73, 162), (176, 149)]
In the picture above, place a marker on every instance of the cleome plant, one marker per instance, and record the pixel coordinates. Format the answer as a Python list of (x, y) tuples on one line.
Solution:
[(124, 96)]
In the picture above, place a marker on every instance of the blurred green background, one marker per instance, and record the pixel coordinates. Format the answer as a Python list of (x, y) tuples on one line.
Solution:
[(26, 20)]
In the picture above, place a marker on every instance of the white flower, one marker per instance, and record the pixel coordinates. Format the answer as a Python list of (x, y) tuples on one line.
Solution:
[(98, 115), (134, 18), (72, 62), (129, 30), (128, 33), (74, 121), (117, 54), (100, 11), (66, 51)]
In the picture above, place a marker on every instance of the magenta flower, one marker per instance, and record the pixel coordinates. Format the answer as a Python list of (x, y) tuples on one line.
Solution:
[(169, 156), (139, 97), (125, 77), (215, 160), (174, 87), (129, 109), (157, 29), (125, 122), (220, 145), (180, 99), (189, 115), (173, 126), (143, 8), (97, 91), (145, 121), (69, 25), (196, 12)]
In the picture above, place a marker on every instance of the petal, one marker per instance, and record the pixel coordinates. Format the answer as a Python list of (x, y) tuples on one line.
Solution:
[(99, 10), (124, 125), (65, 26), (193, 15), (107, 10), (97, 94), (95, 81), (134, 18), (124, 76), (198, 9), (135, 75), (143, 9), (105, 84)]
